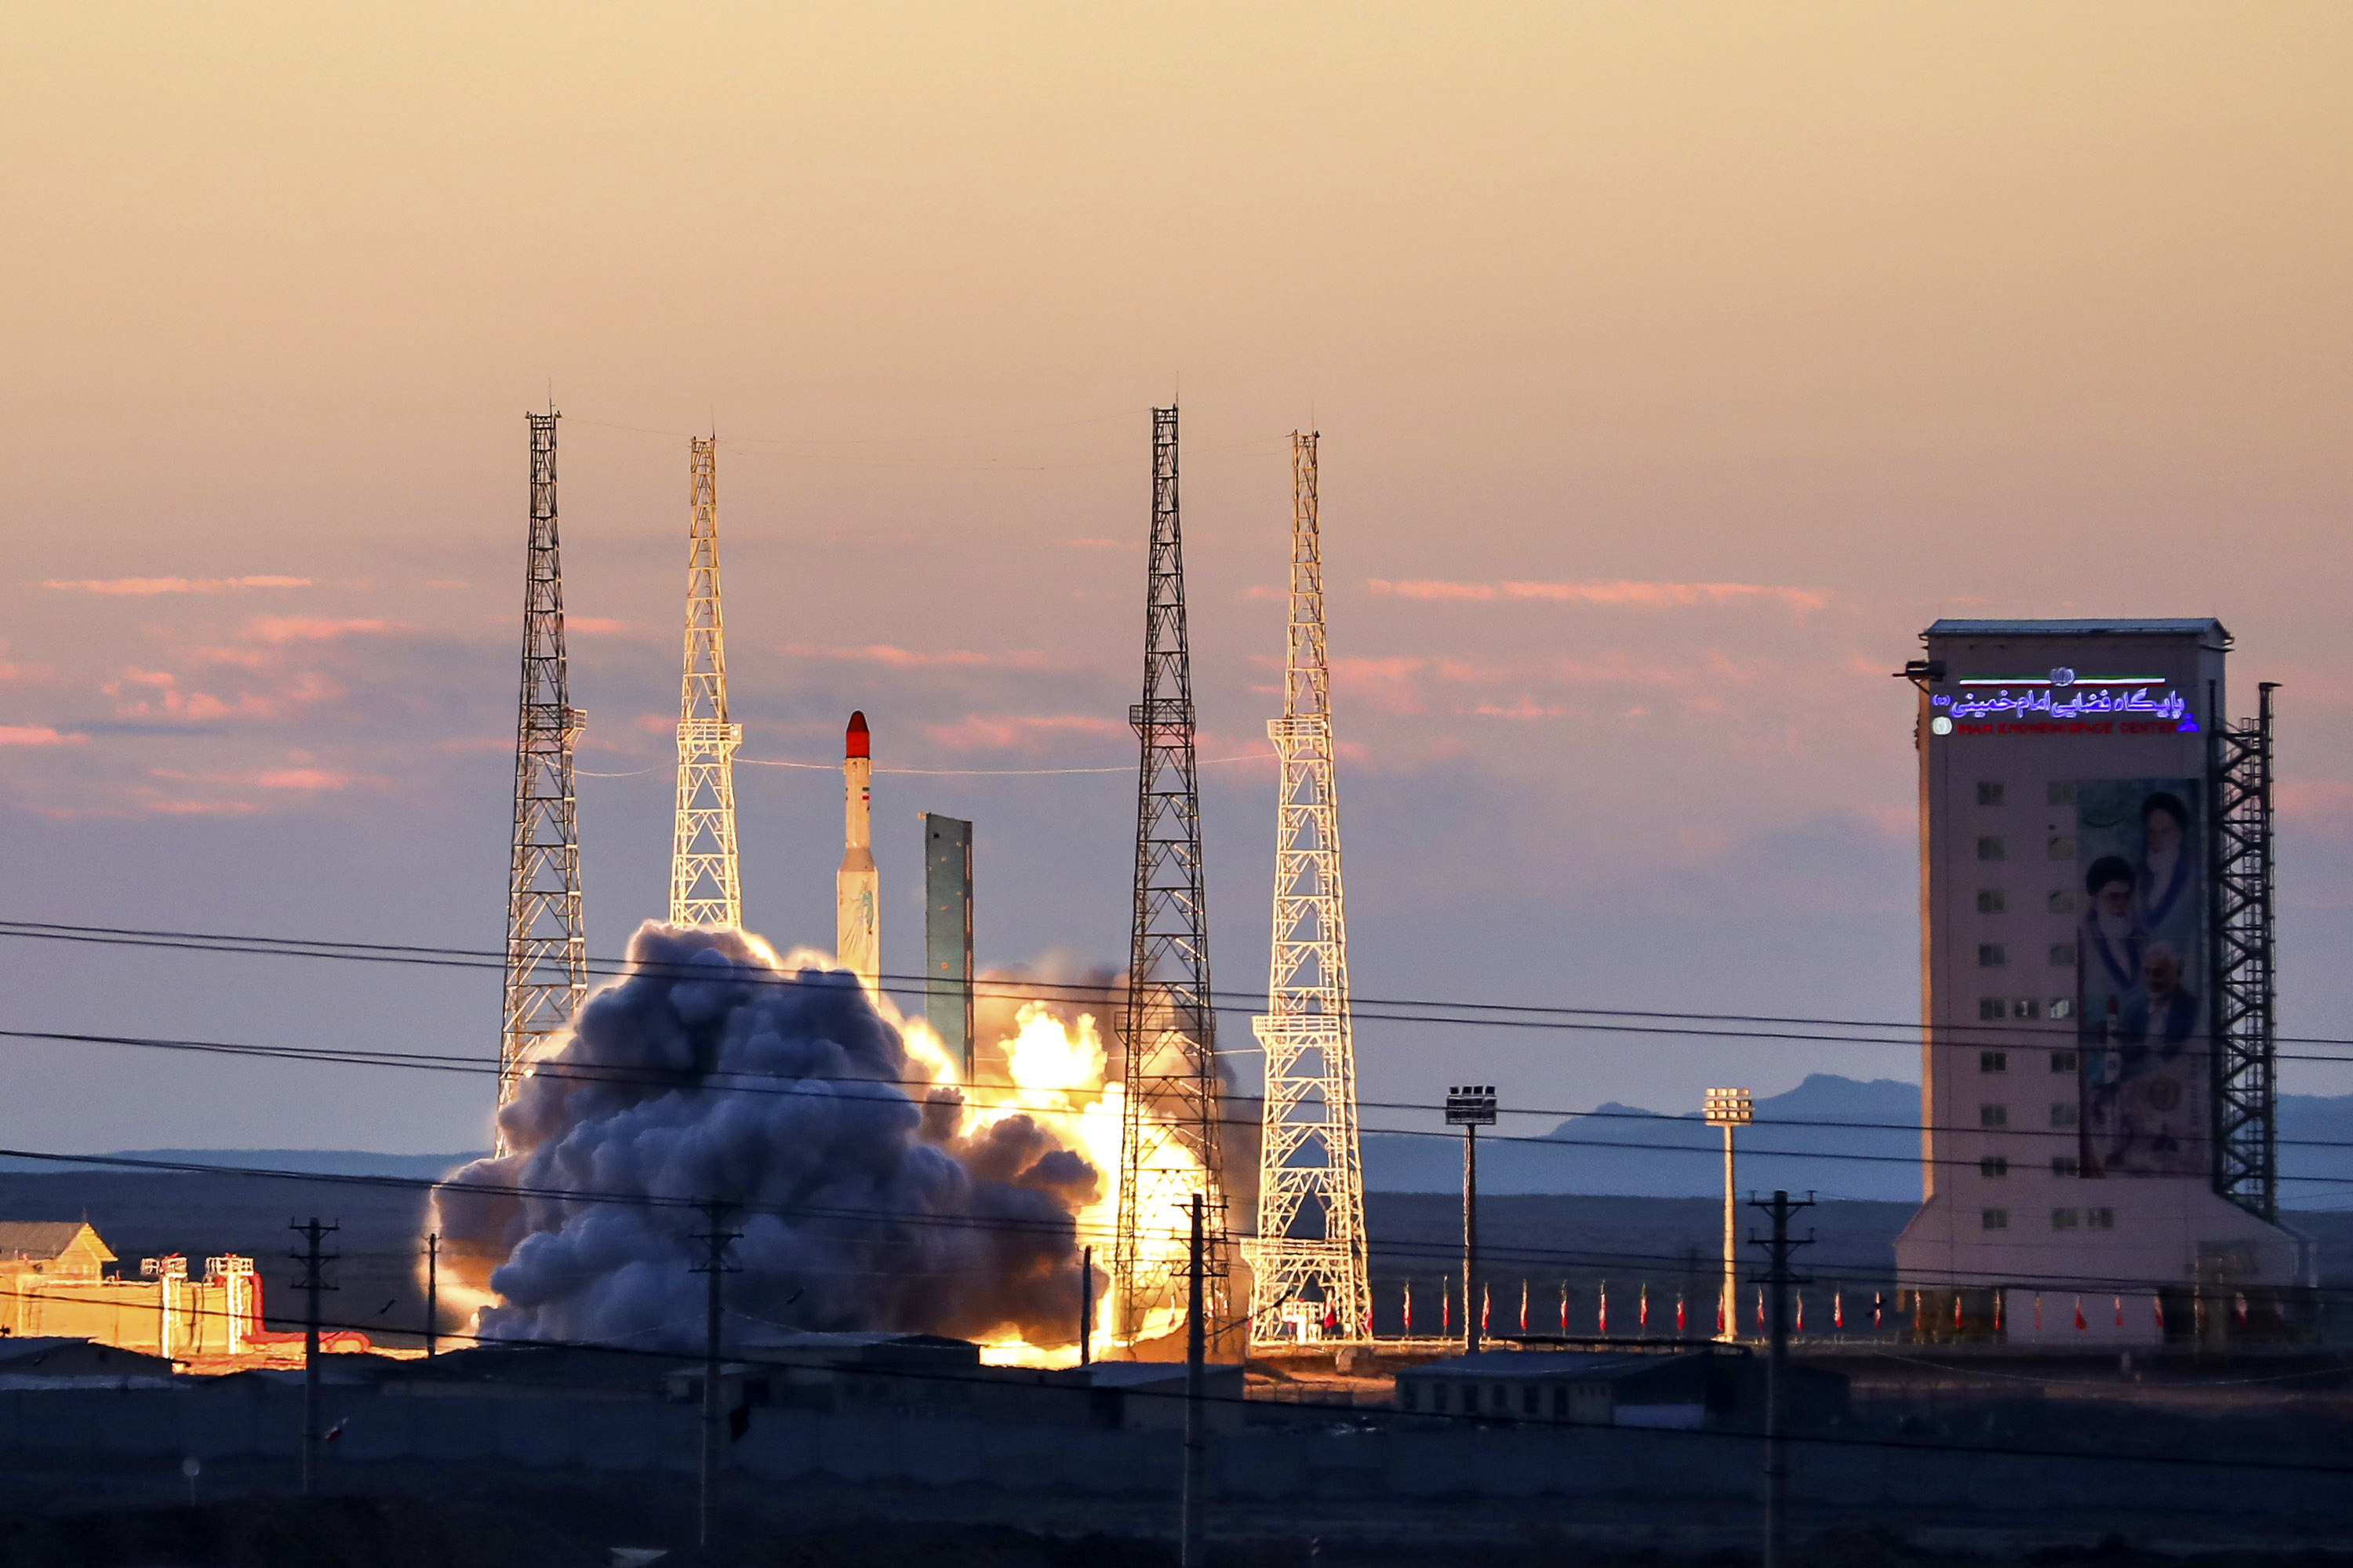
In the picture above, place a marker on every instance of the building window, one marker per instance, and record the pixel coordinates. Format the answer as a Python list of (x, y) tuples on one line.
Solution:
[(1993, 1116), (2100, 1219), (2062, 793), (2062, 846), (2062, 902), (1993, 1219), (1408, 1394), (2066, 1165), (2063, 955), (1993, 1061), (1989, 794), (1527, 1399), (1500, 1402), (1990, 901), (2065, 1219), (1989, 847), (2063, 1113), (1992, 1007), (2062, 1007), (2063, 1061), (2026, 1007), (1991, 956), (1993, 1166), (1560, 1402)]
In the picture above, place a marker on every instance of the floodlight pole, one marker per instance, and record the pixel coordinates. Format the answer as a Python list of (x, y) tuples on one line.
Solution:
[(1728, 1108), (1470, 1107)]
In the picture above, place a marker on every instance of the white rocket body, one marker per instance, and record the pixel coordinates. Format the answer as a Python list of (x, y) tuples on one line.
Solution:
[(857, 886)]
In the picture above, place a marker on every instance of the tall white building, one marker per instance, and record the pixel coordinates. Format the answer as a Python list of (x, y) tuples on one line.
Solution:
[(2096, 1057)]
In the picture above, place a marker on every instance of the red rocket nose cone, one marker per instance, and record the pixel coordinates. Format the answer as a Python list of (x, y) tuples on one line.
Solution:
[(855, 743)]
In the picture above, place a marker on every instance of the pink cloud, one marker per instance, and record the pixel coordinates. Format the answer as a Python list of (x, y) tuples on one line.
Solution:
[(912, 659), (1027, 732), (312, 627), (1620, 591), (1525, 708), (1385, 684), (597, 625), (38, 735), (147, 586)]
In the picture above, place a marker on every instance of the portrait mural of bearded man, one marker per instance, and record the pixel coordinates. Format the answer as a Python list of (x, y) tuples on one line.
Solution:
[(2140, 979)]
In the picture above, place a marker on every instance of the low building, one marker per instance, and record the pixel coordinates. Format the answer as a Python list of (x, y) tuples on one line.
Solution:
[(49, 1361), (1717, 1389), (62, 1280)]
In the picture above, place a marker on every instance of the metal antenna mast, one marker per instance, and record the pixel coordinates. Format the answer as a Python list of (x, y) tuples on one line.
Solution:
[(703, 887), (1310, 1184), (1168, 1132), (547, 951)]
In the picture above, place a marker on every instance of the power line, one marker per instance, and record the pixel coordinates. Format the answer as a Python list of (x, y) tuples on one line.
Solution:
[(915, 1088), (1439, 1252), (1901, 1033)]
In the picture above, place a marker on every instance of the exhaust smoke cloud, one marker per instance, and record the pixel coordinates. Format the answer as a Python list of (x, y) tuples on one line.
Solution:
[(869, 1198)]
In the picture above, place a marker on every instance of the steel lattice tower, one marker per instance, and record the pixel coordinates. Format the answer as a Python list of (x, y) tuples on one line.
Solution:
[(1168, 1133), (703, 885), (547, 952), (1311, 1185), (2246, 1097)]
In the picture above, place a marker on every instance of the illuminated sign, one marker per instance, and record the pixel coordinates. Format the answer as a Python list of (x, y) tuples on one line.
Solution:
[(2061, 703)]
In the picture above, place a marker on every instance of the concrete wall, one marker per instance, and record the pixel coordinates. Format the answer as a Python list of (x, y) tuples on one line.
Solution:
[(1403, 1463)]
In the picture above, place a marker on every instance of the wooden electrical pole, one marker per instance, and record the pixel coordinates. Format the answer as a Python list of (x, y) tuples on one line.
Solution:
[(1778, 1248), (714, 1265), (432, 1293), (313, 1281), (1195, 1380)]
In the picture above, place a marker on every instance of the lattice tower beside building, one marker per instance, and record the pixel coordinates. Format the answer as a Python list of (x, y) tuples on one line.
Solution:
[(704, 889), (1168, 1136), (547, 951), (1307, 1264)]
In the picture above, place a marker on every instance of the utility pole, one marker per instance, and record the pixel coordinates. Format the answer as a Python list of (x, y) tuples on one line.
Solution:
[(1728, 1108), (1777, 1372), (1470, 1107), (716, 1266), (432, 1293), (1311, 1185), (1086, 1305), (1196, 1379), (312, 1282)]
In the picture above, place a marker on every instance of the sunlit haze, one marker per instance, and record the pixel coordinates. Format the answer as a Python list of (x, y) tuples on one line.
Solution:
[(1675, 366)]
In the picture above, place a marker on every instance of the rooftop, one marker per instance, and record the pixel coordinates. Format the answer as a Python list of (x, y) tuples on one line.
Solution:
[(2202, 626), (41, 1240), (1552, 1363)]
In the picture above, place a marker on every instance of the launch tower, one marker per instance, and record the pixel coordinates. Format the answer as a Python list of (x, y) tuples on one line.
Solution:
[(1311, 1188), (547, 952), (703, 887), (1168, 1134)]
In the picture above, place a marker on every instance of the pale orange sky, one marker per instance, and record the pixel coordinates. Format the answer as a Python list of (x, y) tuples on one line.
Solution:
[(2007, 310)]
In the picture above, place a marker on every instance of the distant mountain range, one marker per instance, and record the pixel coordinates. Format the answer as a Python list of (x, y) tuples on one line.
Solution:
[(308, 1161), (1843, 1138)]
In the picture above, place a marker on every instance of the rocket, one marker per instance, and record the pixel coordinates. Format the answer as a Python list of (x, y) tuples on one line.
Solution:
[(857, 943)]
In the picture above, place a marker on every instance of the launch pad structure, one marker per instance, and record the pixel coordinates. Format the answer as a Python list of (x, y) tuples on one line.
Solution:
[(1309, 1278), (704, 888), (1169, 1116), (547, 949)]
